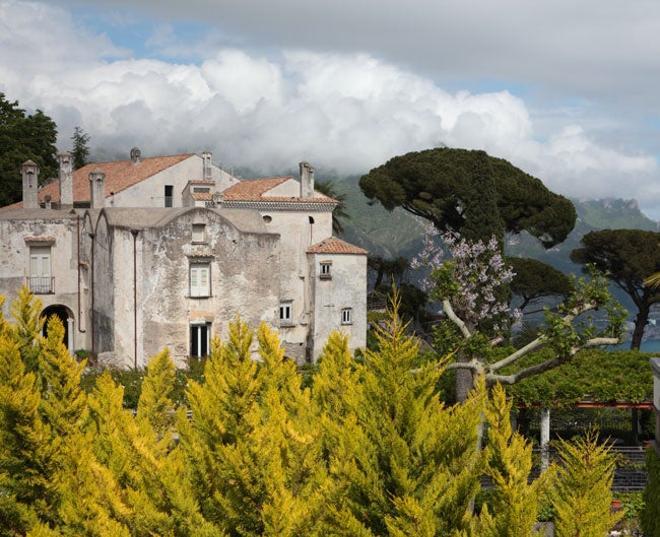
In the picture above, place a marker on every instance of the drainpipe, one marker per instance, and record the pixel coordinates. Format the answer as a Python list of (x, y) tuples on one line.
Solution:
[(135, 232), (78, 248), (91, 286)]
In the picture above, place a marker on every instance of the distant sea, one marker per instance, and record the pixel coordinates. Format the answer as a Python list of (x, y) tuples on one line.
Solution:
[(650, 345)]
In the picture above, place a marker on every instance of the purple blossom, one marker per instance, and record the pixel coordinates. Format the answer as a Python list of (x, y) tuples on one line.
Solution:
[(480, 272)]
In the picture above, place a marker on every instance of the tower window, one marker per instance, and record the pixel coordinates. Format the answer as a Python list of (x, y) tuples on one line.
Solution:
[(326, 273), (285, 312), (198, 233), (347, 316)]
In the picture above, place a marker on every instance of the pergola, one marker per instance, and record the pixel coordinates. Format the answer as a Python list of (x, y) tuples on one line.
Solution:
[(594, 380)]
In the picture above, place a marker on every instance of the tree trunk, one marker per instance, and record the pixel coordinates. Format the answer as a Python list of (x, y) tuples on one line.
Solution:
[(634, 422), (641, 320), (379, 277), (464, 384)]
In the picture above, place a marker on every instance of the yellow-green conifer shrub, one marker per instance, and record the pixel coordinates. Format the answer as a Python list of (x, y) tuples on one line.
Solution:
[(155, 406), (27, 326), (25, 449), (514, 502), (406, 464), (89, 498), (582, 493), (154, 489), (251, 443)]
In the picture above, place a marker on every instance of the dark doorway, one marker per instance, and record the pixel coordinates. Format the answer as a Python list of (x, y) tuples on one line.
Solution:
[(63, 314)]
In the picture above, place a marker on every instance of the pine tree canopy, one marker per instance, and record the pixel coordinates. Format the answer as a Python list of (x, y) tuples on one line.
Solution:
[(472, 193), (628, 257), (534, 279)]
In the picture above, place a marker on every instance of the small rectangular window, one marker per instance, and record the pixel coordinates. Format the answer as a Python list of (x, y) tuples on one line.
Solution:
[(200, 280), (199, 233), (347, 316), (285, 312), (200, 336), (169, 194), (326, 273)]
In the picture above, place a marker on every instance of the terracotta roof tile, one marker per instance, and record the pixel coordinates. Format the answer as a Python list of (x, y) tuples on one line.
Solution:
[(201, 196), (255, 190), (119, 175), (333, 245), (252, 189)]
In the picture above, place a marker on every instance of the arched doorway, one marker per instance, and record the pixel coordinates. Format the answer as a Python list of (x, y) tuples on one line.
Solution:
[(65, 315)]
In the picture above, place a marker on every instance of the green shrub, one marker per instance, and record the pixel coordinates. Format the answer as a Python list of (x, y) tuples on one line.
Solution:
[(651, 514)]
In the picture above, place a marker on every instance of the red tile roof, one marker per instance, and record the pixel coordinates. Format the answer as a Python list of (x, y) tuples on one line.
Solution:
[(119, 175), (333, 245), (252, 189), (255, 190), (201, 196)]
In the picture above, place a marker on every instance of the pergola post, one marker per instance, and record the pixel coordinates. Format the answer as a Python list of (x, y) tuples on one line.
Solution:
[(545, 438), (655, 365)]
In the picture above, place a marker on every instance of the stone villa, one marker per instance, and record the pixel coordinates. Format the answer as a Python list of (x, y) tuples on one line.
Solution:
[(146, 253)]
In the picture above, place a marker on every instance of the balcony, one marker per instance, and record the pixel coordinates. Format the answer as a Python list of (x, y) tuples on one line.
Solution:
[(41, 285)]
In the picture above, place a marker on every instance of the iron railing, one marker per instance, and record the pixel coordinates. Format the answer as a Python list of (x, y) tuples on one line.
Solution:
[(41, 285)]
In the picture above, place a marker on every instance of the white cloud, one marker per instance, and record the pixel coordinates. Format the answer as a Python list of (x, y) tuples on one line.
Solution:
[(346, 112)]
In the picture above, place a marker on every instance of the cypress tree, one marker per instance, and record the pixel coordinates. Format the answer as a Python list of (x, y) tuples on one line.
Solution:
[(514, 502), (80, 150), (28, 324), (405, 464), (251, 445), (24, 444), (582, 494)]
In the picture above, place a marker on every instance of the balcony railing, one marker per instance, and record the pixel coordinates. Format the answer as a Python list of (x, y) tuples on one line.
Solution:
[(41, 285)]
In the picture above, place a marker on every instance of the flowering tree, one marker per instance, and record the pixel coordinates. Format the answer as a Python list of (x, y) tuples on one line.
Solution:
[(472, 286)]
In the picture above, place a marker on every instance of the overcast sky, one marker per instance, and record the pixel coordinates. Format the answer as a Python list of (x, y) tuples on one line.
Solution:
[(568, 91)]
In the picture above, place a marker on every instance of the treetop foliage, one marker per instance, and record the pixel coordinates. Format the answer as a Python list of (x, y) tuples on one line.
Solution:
[(80, 151), (534, 279), (627, 256), (471, 193), (24, 136), (369, 449)]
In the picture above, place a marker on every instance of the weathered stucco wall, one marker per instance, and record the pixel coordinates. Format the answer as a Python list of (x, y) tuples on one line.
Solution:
[(244, 282), (345, 289), (102, 301), (297, 235), (151, 191), (60, 228)]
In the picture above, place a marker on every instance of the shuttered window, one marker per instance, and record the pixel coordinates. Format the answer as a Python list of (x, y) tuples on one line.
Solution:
[(40, 261), (200, 280)]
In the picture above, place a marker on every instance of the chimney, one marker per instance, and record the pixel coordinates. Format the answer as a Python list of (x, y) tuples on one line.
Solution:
[(306, 180), (97, 189), (48, 202), (30, 174), (66, 180), (206, 165), (136, 154)]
